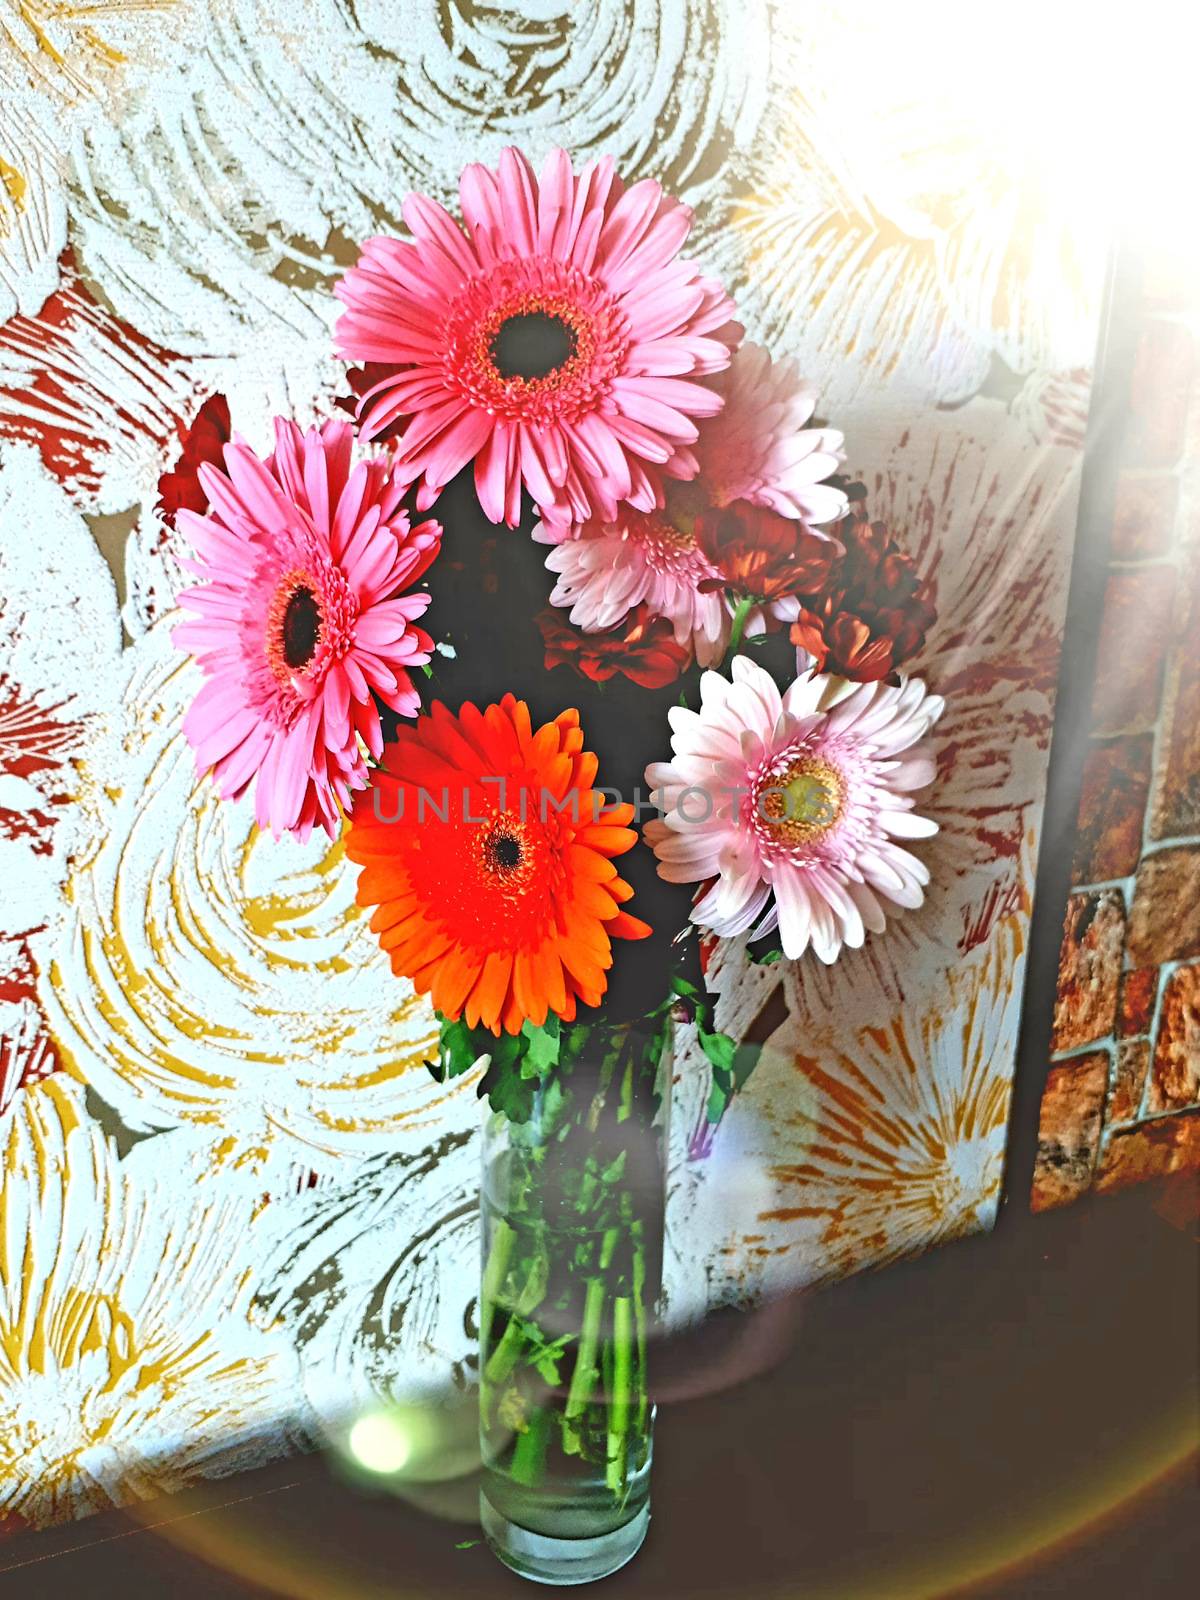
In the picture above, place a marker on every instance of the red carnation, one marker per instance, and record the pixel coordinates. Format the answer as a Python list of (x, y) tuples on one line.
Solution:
[(203, 442), (872, 613), (762, 554), (640, 647)]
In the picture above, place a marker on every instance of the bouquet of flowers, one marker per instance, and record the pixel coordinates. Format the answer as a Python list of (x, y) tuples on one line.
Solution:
[(571, 627)]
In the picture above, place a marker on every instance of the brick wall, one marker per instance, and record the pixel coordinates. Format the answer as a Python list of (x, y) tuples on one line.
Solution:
[(1122, 1097)]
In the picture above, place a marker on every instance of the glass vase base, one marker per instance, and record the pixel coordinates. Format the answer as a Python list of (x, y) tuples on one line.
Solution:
[(561, 1561)]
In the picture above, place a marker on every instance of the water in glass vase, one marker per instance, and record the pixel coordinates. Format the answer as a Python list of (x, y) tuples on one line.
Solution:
[(572, 1264)]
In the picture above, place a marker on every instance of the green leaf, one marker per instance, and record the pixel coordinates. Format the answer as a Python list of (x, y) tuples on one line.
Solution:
[(459, 1048), (548, 1358), (534, 1291), (508, 1091), (541, 1049), (576, 1040), (518, 1064), (615, 1168), (731, 1068), (719, 1048), (685, 989), (505, 1051), (552, 1099)]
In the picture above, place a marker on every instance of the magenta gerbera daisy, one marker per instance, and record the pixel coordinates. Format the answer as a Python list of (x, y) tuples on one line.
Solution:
[(794, 804), (555, 342), (300, 621)]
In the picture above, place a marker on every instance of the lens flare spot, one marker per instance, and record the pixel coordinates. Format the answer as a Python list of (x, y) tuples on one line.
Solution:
[(380, 1443)]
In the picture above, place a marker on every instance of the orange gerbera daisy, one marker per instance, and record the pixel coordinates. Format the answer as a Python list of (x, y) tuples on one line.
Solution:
[(487, 852)]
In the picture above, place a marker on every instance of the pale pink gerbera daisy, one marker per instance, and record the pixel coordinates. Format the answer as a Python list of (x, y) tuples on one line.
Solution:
[(300, 621), (758, 450), (555, 342), (759, 447), (643, 558), (793, 803)]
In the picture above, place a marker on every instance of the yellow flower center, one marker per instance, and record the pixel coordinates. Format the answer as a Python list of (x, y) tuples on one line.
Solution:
[(803, 802), (677, 534)]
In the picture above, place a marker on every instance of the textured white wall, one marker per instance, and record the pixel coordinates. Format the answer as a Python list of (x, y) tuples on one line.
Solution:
[(239, 1206)]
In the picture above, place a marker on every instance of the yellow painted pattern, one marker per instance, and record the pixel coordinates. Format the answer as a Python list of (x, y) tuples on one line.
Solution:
[(14, 185), (219, 980), (68, 48), (123, 1319)]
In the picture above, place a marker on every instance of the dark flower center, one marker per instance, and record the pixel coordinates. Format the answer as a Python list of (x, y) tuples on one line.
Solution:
[(504, 852), (301, 628), (532, 344)]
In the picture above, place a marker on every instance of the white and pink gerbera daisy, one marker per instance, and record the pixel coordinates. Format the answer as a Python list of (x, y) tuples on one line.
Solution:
[(556, 342), (794, 804), (758, 450), (300, 621), (643, 558)]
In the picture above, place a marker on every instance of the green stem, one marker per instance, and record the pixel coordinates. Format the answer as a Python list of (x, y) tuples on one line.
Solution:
[(608, 1247), (618, 1405), (625, 1108), (741, 612), (639, 1316), (494, 1271), (573, 1239), (587, 1191), (505, 1356), (583, 1379), (609, 1381), (529, 1453), (609, 1064)]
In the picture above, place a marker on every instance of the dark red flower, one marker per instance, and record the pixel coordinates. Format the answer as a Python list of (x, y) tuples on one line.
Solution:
[(872, 613), (204, 441), (362, 380), (640, 647), (760, 553)]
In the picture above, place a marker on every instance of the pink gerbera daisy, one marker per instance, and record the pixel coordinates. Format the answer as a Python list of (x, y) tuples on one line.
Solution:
[(643, 558), (555, 342), (300, 621), (793, 804), (757, 450)]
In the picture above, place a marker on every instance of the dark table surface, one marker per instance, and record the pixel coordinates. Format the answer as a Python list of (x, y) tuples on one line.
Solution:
[(1013, 1415)]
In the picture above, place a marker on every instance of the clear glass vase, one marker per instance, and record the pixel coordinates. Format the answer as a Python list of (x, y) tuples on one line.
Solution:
[(573, 1205)]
